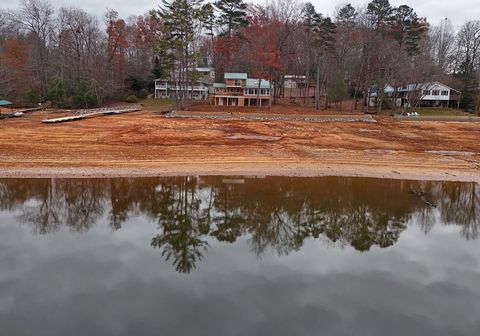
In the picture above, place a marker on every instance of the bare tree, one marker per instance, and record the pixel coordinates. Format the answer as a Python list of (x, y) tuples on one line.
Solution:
[(442, 45), (468, 62), (36, 18)]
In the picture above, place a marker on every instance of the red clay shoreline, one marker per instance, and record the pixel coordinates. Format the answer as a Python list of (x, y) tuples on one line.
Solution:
[(149, 144)]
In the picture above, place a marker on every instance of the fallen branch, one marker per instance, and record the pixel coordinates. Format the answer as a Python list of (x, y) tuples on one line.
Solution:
[(420, 194)]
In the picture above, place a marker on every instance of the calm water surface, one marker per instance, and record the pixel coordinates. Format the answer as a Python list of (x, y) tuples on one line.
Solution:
[(239, 256)]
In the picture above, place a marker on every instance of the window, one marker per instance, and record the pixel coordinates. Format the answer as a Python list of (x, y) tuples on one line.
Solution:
[(444, 93), (435, 93), (426, 92), (238, 82)]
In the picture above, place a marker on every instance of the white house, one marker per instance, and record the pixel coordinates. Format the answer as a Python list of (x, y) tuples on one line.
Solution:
[(432, 94), (197, 90)]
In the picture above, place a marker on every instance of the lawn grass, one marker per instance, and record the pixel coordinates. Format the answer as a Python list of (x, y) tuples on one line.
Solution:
[(156, 105), (440, 112)]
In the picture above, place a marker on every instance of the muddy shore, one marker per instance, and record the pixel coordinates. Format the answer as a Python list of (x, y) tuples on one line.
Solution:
[(148, 144)]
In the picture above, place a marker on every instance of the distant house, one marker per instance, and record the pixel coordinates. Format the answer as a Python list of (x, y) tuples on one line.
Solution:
[(294, 81), (432, 94), (239, 90), (206, 73), (198, 89)]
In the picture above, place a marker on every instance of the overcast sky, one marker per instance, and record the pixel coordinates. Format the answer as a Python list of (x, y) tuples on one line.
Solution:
[(458, 11)]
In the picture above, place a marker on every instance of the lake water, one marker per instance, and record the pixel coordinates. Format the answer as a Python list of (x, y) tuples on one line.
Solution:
[(239, 256)]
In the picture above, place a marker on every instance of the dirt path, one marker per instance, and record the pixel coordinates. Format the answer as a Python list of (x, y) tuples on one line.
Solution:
[(146, 144)]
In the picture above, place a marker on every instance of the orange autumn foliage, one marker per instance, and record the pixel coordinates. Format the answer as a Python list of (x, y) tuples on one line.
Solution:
[(14, 54), (117, 43), (263, 36)]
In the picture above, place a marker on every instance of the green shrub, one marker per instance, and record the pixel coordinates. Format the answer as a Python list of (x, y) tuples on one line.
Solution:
[(131, 99), (71, 93), (32, 97)]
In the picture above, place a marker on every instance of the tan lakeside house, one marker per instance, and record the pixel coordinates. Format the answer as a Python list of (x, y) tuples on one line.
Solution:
[(239, 90)]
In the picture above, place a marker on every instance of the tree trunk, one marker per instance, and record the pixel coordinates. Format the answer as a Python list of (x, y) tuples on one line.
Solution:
[(317, 88), (258, 91)]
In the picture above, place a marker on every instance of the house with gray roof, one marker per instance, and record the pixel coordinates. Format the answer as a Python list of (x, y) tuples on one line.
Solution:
[(429, 94), (198, 89), (239, 90)]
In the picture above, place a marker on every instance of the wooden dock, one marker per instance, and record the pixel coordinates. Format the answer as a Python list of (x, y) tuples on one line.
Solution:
[(83, 114), (34, 109)]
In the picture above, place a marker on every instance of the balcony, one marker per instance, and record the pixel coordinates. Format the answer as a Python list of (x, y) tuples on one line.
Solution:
[(179, 88), (230, 94), (264, 95)]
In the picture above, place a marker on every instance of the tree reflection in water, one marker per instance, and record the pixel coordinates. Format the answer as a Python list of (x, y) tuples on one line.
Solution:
[(182, 223), (277, 213)]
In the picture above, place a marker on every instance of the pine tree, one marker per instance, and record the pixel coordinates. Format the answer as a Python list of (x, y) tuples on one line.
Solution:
[(407, 28), (309, 16), (379, 13), (346, 15), (182, 19), (232, 17), (325, 42), (209, 21)]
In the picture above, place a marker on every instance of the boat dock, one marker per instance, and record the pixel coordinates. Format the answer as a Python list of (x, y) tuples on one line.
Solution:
[(83, 114)]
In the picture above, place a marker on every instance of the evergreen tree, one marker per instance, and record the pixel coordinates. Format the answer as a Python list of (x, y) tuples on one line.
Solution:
[(470, 84), (346, 16), (379, 13), (209, 20), (325, 32), (407, 28), (232, 15), (325, 41), (337, 90), (182, 20), (309, 17)]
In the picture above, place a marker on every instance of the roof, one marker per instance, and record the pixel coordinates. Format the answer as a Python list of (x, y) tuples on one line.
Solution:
[(252, 83), (203, 69), (5, 103), (388, 89), (235, 75), (206, 81), (294, 76), (219, 85), (423, 86)]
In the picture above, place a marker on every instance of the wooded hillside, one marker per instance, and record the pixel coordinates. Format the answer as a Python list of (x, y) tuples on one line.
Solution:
[(77, 59)]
